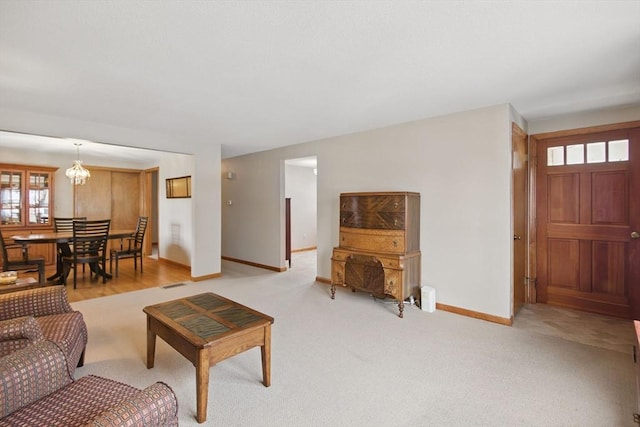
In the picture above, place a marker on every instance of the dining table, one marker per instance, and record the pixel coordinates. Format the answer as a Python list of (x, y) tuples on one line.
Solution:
[(65, 238)]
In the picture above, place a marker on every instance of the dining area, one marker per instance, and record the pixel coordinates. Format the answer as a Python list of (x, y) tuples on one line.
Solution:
[(78, 242), (85, 242), (103, 248), (89, 285)]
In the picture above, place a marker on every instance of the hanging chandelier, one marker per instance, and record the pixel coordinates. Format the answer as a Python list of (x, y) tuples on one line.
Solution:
[(77, 174)]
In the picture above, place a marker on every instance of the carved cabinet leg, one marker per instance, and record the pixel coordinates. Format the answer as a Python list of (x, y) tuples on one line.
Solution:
[(401, 308)]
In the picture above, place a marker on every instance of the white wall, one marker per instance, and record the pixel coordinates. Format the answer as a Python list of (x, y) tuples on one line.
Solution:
[(175, 224), (205, 217), (253, 225), (461, 165), (300, 186)]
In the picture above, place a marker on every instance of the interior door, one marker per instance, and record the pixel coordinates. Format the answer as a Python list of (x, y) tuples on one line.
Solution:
[(588, 217), (519, 166)]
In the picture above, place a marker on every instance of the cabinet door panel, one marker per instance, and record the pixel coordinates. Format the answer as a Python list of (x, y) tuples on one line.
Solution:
[(26, 196), (43, 250), (11, 200), (93, 200), (39, 198), (364, 272), (40, 250), (111, 194), (26, 206), (393, 283), (125, 200)]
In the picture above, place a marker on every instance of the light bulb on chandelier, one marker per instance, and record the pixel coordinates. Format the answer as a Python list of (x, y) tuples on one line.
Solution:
[(77, 174)]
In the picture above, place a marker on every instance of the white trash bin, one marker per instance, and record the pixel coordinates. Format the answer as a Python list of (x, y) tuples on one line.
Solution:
[(428, 299)]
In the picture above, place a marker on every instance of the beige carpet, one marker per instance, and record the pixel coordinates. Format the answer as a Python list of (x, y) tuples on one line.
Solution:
[(352, 362)]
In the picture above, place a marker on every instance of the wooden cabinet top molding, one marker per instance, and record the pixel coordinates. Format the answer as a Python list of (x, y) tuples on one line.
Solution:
[(12, 166), (383, 193)]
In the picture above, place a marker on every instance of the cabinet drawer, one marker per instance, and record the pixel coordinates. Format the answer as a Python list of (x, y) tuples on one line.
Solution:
[(374, 242), (372, 202), (375, 220), (340, 256), (373, 211), (394, 263)]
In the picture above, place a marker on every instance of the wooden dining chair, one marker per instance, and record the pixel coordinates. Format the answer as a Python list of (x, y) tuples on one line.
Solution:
[(89, 246), (63, 225), (24, 263), (133, 249)]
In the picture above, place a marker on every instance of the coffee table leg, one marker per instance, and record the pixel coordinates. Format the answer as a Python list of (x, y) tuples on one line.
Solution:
[(266, 357), (151, 346), (202, 385)]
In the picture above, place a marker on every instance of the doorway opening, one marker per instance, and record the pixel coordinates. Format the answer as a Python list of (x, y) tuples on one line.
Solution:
[(300, 187)]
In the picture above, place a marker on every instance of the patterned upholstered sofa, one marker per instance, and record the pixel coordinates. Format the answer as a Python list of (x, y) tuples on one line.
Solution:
[(42, 313), (36, 389)]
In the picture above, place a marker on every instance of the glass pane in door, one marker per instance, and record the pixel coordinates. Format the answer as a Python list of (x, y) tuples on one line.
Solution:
[(10, 197), (38, 198)]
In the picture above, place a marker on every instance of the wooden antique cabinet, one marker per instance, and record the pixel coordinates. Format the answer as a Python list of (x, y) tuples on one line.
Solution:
[(379, 248), (26, 205)]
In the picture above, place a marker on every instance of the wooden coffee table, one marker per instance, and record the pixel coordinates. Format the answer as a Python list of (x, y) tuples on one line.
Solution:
[(21, 285), (207, 329)]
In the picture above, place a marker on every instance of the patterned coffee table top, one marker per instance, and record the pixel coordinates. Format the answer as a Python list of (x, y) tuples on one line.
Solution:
[(206, 317)]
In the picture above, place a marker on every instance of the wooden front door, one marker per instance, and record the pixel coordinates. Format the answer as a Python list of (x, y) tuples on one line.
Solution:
[(588, 209)]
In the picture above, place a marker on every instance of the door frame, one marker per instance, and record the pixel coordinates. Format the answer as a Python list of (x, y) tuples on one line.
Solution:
[(147, 208), (533, 165), (518, 135)]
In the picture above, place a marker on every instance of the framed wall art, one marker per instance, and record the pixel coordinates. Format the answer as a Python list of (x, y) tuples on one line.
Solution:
[(179, 188)]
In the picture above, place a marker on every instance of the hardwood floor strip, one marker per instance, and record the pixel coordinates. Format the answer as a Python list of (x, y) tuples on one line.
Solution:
[(155, 274)]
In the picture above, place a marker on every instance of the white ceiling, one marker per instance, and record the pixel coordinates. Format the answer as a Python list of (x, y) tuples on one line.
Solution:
[(256, 75), (86, 151)]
